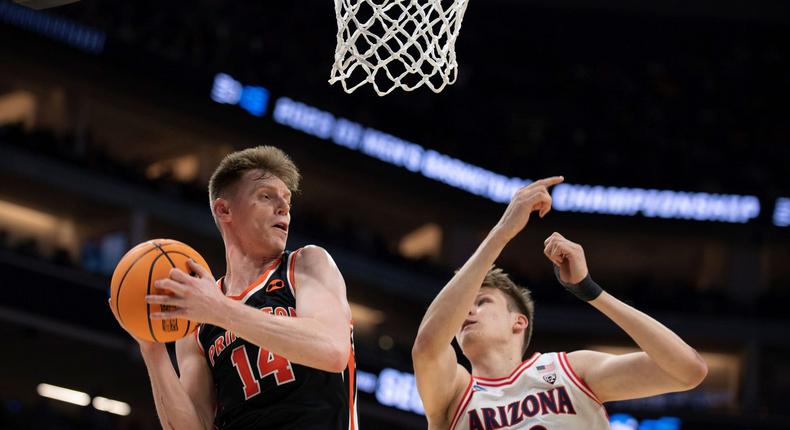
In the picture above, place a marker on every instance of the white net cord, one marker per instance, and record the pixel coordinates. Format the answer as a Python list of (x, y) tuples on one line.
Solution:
[(394, 44)]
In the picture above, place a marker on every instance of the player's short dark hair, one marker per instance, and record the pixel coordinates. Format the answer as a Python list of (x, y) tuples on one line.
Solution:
[(271, 160), (519, 298)]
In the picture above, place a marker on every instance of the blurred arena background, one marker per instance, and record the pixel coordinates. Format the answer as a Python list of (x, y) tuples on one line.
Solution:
[(669, 120)]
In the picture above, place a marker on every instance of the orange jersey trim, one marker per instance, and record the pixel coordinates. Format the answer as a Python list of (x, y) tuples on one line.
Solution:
[(292, 270), (257, 282), (351, 399), (197, 339)]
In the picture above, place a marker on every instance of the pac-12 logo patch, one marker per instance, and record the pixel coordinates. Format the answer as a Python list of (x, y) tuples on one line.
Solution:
[(548, 372)]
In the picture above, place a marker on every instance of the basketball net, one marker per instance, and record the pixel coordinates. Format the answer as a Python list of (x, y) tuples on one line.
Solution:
[(396, 44)]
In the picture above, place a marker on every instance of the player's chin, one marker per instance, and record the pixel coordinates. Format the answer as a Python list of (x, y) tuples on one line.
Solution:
[(275, 249), (465, 338), (469, 344), (272, 245), (278, 243)]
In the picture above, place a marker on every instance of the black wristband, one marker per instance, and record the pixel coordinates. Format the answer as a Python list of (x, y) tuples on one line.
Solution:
[(586, 290)]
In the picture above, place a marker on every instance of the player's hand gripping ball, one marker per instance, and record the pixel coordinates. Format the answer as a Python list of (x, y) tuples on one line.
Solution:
[(134, 279)]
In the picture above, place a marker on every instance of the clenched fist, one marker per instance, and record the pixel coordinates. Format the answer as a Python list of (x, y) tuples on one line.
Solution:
[(567, 256)]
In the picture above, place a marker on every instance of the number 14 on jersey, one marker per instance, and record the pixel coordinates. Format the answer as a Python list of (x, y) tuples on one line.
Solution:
[(267, 364)]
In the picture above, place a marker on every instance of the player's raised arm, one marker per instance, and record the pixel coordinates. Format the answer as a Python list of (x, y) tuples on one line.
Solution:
[(439, 377), (666, 363)]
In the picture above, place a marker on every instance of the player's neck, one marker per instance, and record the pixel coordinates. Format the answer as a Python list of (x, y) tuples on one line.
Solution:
[(243, 269), (494, 364)]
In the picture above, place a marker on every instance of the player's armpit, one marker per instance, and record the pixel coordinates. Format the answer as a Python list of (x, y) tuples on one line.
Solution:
[(196, 379), (441, 382), (621, 377)]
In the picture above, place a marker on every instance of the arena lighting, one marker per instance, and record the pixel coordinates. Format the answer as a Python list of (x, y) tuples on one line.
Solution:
[(227, 90), (61, 29), (782, 212), (396, 151), (627, 422), (668, 204), (82, 399), (392, 388), (366, 381), (63, 394), (22, 217), (399, 390), (655, 203), (366, 315), (111, 406), (424, 241)]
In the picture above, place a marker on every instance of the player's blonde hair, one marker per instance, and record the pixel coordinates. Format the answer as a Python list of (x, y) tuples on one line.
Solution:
[(271, 160), (519, 299)]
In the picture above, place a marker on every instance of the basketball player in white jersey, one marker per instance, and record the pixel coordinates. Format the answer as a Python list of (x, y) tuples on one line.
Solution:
[(492, 319)]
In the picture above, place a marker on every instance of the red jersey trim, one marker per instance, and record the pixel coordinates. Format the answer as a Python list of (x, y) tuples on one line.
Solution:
[(579, 382), (465, 399), (507, 380)]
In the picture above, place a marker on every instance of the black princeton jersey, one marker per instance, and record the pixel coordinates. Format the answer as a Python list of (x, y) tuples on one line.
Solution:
[(259, 390)]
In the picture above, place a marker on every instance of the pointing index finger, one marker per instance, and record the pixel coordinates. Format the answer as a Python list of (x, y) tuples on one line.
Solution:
[(548, 182)]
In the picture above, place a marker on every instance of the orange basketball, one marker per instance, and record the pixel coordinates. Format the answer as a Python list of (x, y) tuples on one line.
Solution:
[(134, 278)]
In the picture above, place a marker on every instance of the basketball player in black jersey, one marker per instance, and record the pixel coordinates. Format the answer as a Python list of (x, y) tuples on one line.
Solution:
[(275, 348)]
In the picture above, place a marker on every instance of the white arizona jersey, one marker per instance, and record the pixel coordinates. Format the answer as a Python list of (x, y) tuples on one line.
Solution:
[(542, 393)]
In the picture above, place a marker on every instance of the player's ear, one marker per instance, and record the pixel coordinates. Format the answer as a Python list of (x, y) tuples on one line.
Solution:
[(221, 209), (520, 323)]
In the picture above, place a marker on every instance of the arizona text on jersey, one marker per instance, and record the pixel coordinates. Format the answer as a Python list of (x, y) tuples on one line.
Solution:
[(542, 393)]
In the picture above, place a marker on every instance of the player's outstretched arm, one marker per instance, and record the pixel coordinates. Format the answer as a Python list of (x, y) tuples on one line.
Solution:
[(666, 363), (185, 402), (440, 379), (319, 336)]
